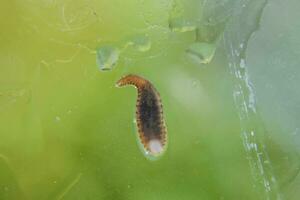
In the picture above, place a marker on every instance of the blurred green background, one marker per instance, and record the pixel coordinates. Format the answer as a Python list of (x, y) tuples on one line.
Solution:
[(67, 133)]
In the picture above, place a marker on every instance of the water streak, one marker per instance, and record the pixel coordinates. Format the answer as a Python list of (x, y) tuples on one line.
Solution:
[(244, 22)]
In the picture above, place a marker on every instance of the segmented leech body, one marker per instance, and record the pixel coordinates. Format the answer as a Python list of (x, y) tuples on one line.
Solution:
[(149, 115)]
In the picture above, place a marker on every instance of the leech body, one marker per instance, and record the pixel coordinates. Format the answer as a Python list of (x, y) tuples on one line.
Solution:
[(149, 115)]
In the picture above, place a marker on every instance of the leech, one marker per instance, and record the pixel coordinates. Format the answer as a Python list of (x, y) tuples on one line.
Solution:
[(149, 115)]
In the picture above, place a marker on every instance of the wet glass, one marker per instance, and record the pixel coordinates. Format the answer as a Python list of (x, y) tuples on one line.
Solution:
[(227, 72)]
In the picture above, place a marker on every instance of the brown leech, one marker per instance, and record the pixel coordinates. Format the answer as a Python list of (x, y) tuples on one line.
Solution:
[(149, 115)]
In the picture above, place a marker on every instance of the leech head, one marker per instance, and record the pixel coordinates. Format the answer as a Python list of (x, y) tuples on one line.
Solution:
[(131, 80)]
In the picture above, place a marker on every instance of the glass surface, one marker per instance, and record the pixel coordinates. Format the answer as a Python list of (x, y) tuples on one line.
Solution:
[(227, 72)]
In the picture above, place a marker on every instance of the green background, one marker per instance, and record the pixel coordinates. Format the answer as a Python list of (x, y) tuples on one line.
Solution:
[(66, 131)]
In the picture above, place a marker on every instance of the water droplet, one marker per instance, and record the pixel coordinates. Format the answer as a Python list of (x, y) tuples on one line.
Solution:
[(242, 63), (202, 52), (194, 83), (57, 118), (141, 43), (267, 162), (107, 57), (295, 132), (181, 25)]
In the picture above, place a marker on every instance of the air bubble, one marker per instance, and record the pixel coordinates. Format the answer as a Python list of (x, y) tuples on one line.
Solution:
[(181, 25), (107, 57), (202, 52)]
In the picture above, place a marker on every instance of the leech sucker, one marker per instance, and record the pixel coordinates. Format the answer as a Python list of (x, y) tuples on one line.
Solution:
[(149, 115)]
